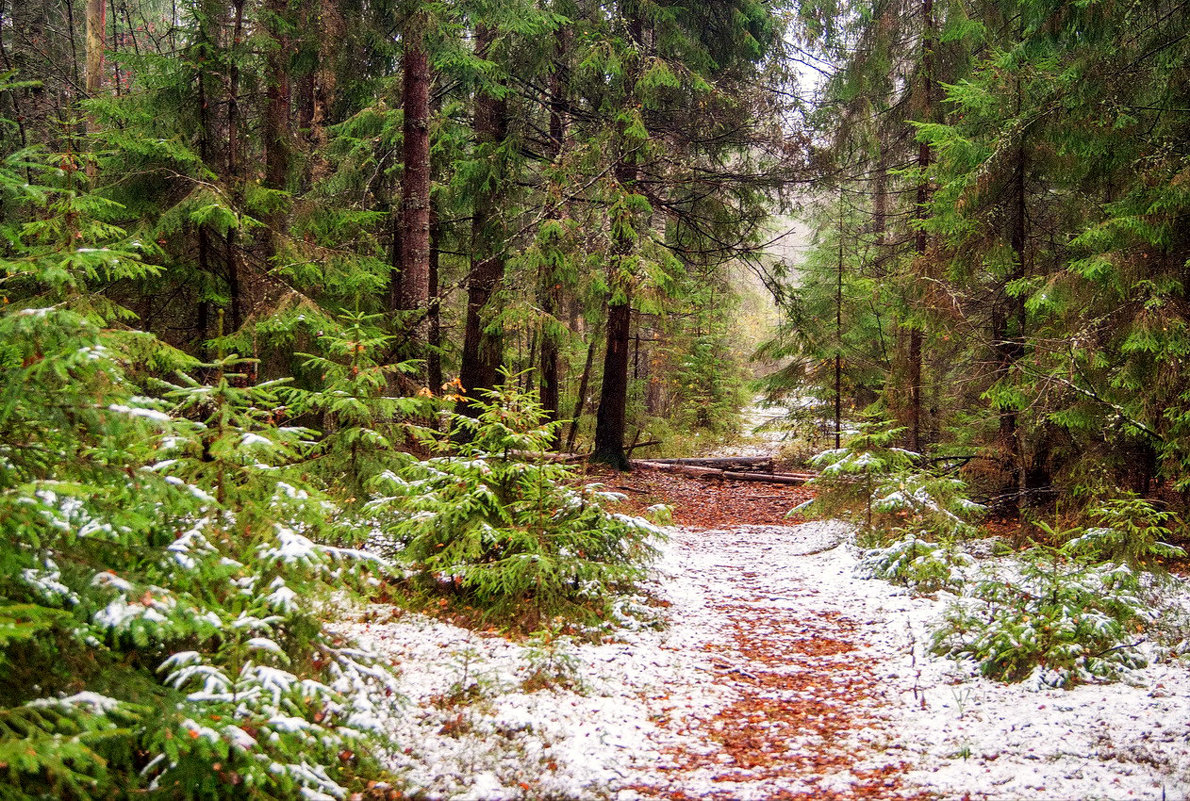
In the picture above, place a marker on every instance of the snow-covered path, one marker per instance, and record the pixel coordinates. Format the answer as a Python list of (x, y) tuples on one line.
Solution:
[(778, 675), (801, 709)]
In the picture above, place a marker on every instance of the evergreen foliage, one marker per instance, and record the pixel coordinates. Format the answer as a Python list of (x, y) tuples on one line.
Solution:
[(1005, 178), (922, 567), (158, 625), (882, 489), (1128, 530), (1058, 623), (491, 518), (358, 415)]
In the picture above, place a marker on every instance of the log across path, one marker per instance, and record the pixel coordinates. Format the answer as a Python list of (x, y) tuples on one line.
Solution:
[(762, 464), (795, 479)]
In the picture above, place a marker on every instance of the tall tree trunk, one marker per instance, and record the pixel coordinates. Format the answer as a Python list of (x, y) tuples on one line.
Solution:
[(584, 382), (276, 133), (232, 176), (276, 118), (415, 181), (921, 241), (550, 288), (15, 96), (96, 24), (1013, 345), (611, 422), (550, 356), (305, 85), (839, 333), (434, 334), (206, 80), (880, 198), (482, 346), (117, 37)]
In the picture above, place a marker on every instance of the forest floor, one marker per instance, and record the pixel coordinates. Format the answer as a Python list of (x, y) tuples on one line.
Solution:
[(756, 665)]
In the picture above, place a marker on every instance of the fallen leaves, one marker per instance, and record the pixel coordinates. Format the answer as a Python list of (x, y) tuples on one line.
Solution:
[(801, 689), (707, 502)]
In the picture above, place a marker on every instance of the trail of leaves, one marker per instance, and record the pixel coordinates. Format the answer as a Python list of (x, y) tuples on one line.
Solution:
[(801, 684), (708, 502), (802, 690)]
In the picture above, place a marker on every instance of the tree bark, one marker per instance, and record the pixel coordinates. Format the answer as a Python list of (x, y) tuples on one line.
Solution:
[(482, 346), (232, 176), (276, 118), (611, 423), (96, 24), (434, 334), (415, 181), (550, 290), (206, 80), (920, 240), (839, 333), (584, 382)]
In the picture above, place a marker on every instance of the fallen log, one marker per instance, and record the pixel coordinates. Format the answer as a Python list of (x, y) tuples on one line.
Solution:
[(734, 475), (547, 456), (761, 464)]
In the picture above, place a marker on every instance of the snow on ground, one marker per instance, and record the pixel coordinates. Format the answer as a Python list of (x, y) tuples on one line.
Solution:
[(778, 673)]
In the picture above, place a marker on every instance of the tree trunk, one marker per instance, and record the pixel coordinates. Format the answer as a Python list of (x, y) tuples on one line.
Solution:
[(310, 57), (482, 346), (880, 198), (611, 421), (96, 12), (276, 118), (550, 291), (434, 334), (232, 176), (206, 82), (415, 181), (550, 353), (839, 333), (921, 241), (15, 96), (584, 382)]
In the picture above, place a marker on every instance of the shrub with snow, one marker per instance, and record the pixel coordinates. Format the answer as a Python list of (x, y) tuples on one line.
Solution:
[(1053, 620), (494, 522), (157, 634), (921, 566), (878, 486)]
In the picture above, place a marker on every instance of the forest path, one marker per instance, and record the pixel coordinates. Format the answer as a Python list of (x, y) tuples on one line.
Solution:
[(778, 621), (800, 691), (824, 687)]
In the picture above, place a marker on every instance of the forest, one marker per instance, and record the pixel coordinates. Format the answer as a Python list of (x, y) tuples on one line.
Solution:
[(341, 343)]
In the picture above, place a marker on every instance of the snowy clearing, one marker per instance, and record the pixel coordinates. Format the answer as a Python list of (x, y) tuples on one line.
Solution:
[(778, 674)]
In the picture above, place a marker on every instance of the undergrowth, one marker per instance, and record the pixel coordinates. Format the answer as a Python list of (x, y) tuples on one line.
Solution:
[(1073, 611), (492, 522)]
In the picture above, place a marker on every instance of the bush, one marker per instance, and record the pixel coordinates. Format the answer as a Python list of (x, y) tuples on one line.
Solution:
[(156, 628), (923, 567), (494, 521), (878, 487), (1059, 622), (1130, 530)]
